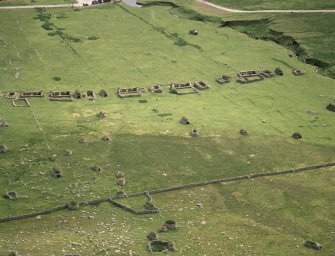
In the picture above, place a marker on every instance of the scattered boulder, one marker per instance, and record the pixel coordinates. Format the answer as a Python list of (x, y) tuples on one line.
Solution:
[(90, 94), (244, 132), (103, 93), (296, 136), (3, 149), (105, 138), (56, 172), (73, 205), (194, 32), (68, 152), (152, 236), (102, 115), (121, 181), (279, 72), (184, 120), (11, 195), (119, 175), (331, 107), (194, 133), (297, 72), (312, 245), (96, 168), (3, 124), (170, 224)]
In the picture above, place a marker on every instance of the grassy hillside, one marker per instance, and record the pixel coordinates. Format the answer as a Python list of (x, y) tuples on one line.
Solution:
[(33, 2), (274, 5), (107, 48)]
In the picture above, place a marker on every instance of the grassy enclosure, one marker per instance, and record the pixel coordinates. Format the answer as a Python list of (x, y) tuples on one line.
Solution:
[(110, 47)]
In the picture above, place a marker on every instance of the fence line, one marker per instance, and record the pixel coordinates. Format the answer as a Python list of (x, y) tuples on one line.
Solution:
[(163, 190)]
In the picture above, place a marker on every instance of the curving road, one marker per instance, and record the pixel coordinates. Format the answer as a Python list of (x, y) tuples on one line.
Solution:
[(225, 9)]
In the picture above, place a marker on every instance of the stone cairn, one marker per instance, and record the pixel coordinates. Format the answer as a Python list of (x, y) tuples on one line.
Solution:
[(244, 132), (122, 179), (102, 115), (194, 133), (296, 136), (56, 172)]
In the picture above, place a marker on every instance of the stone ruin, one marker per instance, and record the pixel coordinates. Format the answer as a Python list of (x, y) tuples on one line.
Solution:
[(82, 140), (168, 225), (194, 132), (77, 94), (267, 73), (120, 194), (68, 152), (73, 205), (279, 72), (200, 85), (297, 72), (119, 175), (248, 76), (96, 168), (130, 92), (121, 181), (150, 205), (3, 149), (152, 236), (60, 96), (223, 79), (38, 94), (90, 94), (194, 32), (182, 88), (3, 124), (103, 93), (56, 172), (312, 245), (24, 102), (11, 95), (102, 115), (331, 107), (11, 195), (105, 138), (184, 120), (161, 246), (244, 131), (156, 89), (296, 136)]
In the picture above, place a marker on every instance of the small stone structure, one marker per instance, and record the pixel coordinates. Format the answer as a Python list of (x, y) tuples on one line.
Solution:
[(102, 115), (161, 246), (152, 236), (121, 181), (90, 95), (200, 85), (279, 72), (119, 175), (68, 152), (103, 93), (38, 94), (313, 245), (331, 107), (11, 195), (60, 96), (184, 120), (24, 102), (182, 88), (130, 92), (73, 205), (77, 94), (267, 73), (297, 72), (223, 79), (244, 131), (194, 132), (156, 89), (105, 138), (11, 95), (296, 136), (3, 124), (3, 149), (248, 76), (96, 168), (194, 32), (56, 172)]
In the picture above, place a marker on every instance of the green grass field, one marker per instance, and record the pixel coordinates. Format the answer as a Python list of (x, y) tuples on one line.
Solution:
[(276, 5), (33, 2), (142, 47)]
